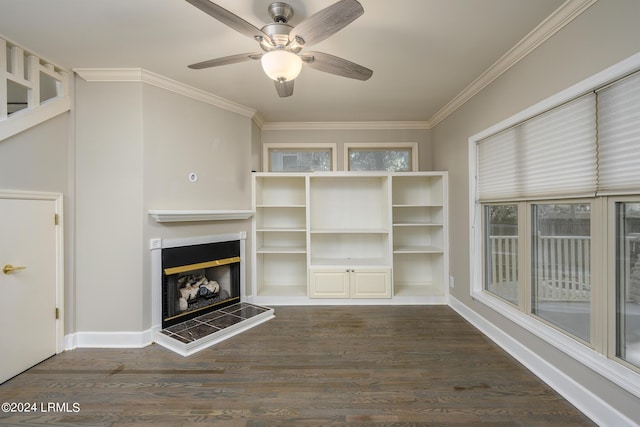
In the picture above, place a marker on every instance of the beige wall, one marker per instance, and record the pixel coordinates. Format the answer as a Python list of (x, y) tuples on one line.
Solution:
[(603, 35), (342, 136), (182, 135), (109, 280), (38, 158), (41, 159), (136, 145)]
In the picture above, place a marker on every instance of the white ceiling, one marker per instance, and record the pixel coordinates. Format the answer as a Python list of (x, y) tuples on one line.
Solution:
[(423, 52)]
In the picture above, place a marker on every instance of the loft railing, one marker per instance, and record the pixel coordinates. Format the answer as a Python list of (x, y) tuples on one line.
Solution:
[(32, 90)]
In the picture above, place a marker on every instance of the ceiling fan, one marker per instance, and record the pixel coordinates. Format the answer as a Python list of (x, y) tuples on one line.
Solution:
[(282, 43)]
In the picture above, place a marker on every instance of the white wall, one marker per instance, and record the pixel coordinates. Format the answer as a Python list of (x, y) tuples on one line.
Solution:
[(605, 34)]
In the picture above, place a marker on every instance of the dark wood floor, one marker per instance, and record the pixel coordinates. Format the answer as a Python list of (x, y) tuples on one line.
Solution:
[(310, 366)]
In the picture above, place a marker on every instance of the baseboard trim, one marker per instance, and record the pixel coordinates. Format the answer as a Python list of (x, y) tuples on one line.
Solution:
[(109, 339), (587, 402)]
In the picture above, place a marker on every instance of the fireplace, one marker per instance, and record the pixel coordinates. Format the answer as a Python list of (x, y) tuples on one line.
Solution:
[(197, 279), (198, 291)]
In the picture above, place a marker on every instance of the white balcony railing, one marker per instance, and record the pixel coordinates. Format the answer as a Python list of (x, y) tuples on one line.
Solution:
[(562, 271)]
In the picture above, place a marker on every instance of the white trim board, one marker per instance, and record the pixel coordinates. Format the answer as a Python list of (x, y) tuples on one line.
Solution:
[(28, 118), (109, 339)]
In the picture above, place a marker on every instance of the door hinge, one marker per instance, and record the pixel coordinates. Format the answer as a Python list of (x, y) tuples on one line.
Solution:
[(56, 219), (57, 313)]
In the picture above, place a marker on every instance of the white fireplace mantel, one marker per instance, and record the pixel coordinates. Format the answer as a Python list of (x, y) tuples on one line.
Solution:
[(171, 215)]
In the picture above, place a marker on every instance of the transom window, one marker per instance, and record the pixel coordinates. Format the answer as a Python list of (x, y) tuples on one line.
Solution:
[(299, 157), (392, 157)]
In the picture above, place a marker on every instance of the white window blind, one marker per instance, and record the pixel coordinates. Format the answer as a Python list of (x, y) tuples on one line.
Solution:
[(619, 136), (552, 154)]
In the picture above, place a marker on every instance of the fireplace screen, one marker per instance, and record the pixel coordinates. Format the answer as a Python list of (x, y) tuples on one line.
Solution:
[(197, 279)]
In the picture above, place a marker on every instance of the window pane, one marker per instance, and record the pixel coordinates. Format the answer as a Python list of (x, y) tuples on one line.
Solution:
[(628, 282), (501, 251), (300, 160), (380, 160), (561, 270)]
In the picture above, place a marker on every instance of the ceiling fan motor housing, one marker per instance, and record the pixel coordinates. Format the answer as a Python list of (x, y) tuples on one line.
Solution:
[(279, 35), (280, 12), (278, 31)]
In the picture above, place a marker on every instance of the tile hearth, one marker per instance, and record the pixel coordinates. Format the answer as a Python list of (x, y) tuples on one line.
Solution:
[(204, 331)]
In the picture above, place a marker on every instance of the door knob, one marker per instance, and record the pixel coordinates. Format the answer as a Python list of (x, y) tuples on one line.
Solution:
[(8, 269)]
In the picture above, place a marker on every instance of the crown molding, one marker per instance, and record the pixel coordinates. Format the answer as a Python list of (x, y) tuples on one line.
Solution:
[(343, 125), (258, 120), (566, 13), (144, 76)]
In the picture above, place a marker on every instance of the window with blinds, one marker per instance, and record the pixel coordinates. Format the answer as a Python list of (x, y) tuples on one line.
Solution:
[(553, 153), (586, 147), (556, 219), (619, 136)]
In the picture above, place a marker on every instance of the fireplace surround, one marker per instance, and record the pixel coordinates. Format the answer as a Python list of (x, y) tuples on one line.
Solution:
[(198, 288)]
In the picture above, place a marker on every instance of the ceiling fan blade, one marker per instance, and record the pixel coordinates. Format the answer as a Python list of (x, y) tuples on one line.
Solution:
[(226, 60), (230, 19), (326, 22), (335, 65), (284, 88)]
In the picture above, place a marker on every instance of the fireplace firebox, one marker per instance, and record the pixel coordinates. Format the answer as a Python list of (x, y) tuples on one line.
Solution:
[(198, 292), (198, 279)]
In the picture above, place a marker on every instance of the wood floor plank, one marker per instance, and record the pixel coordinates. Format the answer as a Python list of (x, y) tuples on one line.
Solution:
[(310, 366)]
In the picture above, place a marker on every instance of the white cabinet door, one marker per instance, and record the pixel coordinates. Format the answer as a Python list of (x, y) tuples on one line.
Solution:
[(329, 283), (350, 283), (371, 283)]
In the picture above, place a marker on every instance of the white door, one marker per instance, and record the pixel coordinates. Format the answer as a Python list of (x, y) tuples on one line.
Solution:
[(28, 302)]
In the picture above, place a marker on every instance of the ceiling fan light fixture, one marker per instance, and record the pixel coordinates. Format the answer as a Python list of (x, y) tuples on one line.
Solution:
[(281, 65)]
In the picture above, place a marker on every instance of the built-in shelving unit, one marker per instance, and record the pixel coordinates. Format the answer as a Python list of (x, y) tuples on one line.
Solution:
[(419, 235), (344, 236), (350, 236), (280, 227)]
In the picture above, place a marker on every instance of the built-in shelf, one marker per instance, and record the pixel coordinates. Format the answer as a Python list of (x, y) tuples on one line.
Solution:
[(349, 236), (199, 215)]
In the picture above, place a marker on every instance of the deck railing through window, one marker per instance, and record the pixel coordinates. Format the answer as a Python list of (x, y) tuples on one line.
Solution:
[(562, 272)]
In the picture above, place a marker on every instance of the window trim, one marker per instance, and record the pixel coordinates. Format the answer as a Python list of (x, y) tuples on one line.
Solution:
[(267, 147), (611, 368), (610, 291), (412, 146), (521, 252)]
